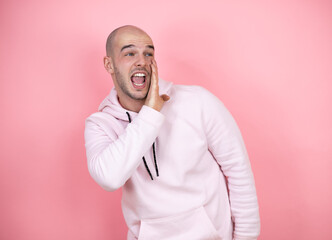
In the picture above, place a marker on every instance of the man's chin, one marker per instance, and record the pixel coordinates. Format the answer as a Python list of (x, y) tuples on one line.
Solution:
[(138, 97)]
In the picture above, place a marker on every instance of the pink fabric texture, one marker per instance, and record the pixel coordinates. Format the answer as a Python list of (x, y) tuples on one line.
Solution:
[(205, 180)]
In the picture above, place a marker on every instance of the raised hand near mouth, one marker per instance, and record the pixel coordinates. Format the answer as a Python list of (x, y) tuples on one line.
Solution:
[(154, 100)]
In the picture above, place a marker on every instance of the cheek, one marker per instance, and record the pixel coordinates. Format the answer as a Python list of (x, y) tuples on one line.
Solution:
[(126, 65)]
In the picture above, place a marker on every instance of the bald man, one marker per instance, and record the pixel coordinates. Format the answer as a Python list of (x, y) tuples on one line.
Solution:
[(175, 150)]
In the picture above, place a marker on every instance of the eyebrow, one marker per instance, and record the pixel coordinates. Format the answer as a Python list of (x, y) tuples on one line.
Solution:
[(151, 46), (132, 45)]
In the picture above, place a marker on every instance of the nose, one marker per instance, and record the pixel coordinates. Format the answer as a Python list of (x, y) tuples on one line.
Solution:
[(141, 61)]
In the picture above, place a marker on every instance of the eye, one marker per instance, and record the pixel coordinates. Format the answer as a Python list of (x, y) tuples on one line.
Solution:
[(149, 54), (129, 54)]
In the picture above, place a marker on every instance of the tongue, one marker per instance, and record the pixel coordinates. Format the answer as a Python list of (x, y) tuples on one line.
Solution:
[(138, 80)]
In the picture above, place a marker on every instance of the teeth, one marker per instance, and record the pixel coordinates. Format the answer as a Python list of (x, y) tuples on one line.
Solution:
[(139, 84), (139, 75)]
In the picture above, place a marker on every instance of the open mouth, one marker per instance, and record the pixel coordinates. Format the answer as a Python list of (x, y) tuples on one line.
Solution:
[(138, 80)]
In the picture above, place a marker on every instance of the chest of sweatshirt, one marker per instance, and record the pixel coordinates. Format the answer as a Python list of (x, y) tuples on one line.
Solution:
[(188, 173)]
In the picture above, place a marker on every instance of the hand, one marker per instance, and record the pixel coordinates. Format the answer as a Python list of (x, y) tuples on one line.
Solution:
[(154, 100)]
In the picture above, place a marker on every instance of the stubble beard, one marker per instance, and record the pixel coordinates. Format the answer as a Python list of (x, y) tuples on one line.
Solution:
[(121, 80)]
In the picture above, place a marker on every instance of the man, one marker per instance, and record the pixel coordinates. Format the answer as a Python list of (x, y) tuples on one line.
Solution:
[(175, 150)]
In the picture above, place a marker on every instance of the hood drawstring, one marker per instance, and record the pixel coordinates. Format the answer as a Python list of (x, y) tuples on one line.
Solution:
[(154, 156)]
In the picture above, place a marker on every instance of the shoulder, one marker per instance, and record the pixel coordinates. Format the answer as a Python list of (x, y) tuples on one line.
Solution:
[(189, 91), (193, 89), (195, 93), (104, 122), (99, 117)]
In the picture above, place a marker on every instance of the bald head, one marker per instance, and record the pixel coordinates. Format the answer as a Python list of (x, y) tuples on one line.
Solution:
[(118, 31)]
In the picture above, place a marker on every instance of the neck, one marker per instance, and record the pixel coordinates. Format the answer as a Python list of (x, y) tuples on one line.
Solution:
[(131, 104)]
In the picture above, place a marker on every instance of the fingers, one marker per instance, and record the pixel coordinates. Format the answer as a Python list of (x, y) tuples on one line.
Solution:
[(155, 79), (154, 69), (154, 88), (154, 100)]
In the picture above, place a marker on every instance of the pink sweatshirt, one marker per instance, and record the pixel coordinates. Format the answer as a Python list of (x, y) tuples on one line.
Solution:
[(205, 182)]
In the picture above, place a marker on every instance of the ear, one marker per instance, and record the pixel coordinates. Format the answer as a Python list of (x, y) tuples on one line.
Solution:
[(108, 64)]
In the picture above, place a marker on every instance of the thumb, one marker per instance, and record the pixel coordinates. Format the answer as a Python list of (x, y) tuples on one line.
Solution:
[(165, 97)]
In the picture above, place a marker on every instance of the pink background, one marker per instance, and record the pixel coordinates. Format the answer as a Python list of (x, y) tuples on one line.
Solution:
[(269, 62)]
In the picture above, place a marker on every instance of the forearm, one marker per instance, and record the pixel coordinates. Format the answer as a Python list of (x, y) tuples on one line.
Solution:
[(242, 194), (235, 165), (228, 148), (112, 161)]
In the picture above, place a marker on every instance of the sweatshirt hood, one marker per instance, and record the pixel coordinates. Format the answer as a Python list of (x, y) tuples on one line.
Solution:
[(112, 106)]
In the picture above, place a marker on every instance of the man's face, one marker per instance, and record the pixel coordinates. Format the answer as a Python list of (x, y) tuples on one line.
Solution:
[(132, 54)]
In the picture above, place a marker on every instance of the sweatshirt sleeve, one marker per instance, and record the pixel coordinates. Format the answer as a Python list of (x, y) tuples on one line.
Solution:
[(113, 159), (227, 146)]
